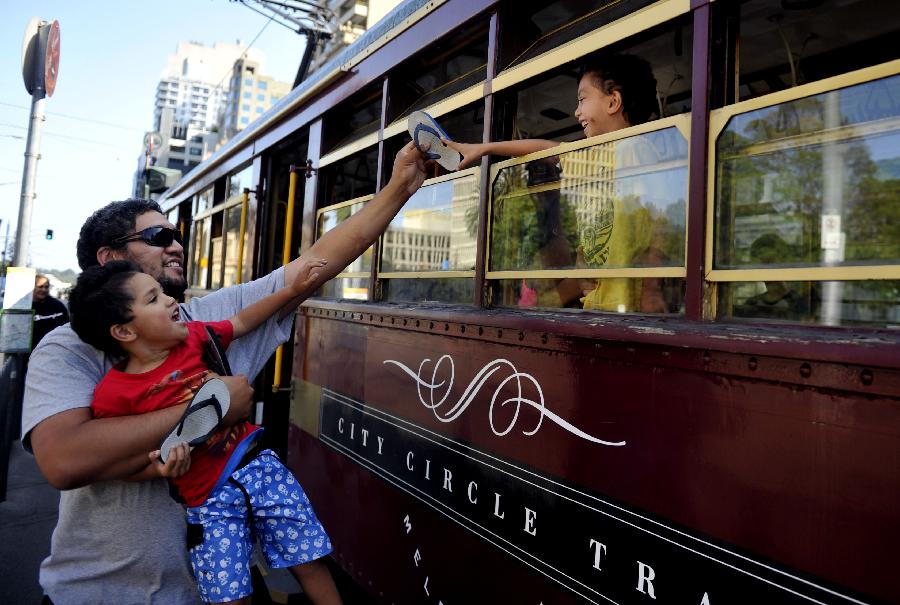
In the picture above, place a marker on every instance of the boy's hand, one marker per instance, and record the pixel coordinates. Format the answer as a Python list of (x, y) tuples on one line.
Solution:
[(471, 153), (307, 275), (176, 465)]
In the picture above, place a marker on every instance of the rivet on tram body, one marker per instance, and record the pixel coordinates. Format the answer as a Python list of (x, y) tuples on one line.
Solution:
[(805, 370), (867, 377), (707, 357), (752, 363)]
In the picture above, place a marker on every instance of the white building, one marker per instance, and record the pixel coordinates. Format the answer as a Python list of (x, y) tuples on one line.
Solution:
[(352, 19), (250, 94)]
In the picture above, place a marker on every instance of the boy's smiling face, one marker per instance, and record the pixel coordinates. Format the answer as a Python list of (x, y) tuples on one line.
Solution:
[(598, 112), (155, 315)]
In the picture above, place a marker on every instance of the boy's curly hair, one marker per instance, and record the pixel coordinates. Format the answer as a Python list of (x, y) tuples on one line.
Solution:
[(631, 76), (100, 300)]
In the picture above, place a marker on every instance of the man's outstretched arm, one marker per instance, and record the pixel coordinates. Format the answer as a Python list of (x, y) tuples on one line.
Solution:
[(73, 449), (343, 244)]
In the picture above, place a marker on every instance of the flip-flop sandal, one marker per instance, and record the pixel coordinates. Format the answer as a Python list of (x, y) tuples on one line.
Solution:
[(200, 419), (424, 130)]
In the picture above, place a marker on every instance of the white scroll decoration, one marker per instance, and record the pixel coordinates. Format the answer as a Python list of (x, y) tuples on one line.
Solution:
[(433, 397)]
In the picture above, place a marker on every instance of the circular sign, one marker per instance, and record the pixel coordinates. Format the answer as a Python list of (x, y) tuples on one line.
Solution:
[(51, 59)]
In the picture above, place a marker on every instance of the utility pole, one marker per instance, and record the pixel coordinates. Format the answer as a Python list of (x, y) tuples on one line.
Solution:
[(40, 66)]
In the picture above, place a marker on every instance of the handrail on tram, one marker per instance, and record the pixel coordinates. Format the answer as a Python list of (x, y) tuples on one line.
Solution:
[(285, 259)]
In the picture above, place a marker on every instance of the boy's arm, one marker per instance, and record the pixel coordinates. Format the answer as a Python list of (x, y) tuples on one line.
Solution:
[(304, 282), (472, 152)]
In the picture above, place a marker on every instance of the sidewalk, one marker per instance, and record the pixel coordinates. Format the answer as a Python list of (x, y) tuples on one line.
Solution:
[(27, 519)]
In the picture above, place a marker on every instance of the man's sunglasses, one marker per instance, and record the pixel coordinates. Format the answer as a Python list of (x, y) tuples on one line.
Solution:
[(161, 237)]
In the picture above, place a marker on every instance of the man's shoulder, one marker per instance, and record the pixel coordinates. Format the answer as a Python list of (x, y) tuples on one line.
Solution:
[(64, 341)]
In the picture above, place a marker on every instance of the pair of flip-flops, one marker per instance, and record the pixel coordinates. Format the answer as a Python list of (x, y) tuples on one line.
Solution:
[(208, 406), (424, 130)]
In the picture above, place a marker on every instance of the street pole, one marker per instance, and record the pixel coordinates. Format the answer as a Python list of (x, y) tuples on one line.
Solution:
[(29, 176)]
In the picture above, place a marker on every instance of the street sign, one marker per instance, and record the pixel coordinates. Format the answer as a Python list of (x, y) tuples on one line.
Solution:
[(40, 56), (51, 57)]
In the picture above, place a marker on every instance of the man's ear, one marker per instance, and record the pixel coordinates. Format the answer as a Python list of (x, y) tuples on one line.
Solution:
[(106, 254), (122, 332), (615, 102)]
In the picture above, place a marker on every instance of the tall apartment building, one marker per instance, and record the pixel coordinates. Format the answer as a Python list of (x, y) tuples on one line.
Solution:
[(190, 99), (352, 19), (250, 94)]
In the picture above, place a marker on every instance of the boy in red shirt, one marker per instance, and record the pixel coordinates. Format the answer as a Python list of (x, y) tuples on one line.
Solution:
[(233, 492)]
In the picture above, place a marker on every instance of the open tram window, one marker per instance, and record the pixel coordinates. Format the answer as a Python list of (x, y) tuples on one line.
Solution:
[(353, 282), (447, 66), (807, 203), (428, 251), (290, 152), (780, 45), (597, 227), (353, 119)]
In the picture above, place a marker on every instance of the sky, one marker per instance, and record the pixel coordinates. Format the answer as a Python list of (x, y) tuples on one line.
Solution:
[(111, 58)]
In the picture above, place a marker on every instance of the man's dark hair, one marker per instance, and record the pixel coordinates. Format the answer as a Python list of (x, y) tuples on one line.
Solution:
[(100, 300), (110, 222), (631, 76)]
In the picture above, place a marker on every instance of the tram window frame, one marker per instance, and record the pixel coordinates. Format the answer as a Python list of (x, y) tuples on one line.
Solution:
[(238, 180), (336, 136), (338, 159), (821, 275), (363, 276), (668, 274)]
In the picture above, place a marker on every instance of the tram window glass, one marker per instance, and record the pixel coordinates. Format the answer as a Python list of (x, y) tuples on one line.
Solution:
[(216, 254), (614, 205), (446, 67), (240, 180), (791, 43), (353, 281), (436, 229), (451, 290), (615, 294), (232, 244), (533, 27), (349, 178), (813, 182), (353, 119), (200, 254), (204, 200), (864, 303)]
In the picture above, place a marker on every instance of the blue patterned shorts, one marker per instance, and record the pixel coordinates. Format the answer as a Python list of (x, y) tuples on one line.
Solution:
[(283, 521)]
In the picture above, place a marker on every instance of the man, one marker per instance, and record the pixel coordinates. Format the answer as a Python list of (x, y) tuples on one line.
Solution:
[(49, 312), (118, 542)]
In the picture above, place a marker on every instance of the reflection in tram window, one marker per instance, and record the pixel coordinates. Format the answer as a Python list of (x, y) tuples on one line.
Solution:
[(329, 219), (646, 295), (200, 254), (353, 281), (232, 244), (435, 230), (614, 205), (446, 290), (349, 178), (350, 288)]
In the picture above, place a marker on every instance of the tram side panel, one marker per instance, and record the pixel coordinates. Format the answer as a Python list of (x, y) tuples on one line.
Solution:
[(592, 474)]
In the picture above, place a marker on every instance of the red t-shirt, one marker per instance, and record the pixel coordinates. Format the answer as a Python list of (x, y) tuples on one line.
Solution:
[(172, 383)]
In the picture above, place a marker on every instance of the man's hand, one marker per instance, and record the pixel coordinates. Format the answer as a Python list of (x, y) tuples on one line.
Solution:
[(241, 399), (178, 463), (408, 173), (308, 272), (471, 152)]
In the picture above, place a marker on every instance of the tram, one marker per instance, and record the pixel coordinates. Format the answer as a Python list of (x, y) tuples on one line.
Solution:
[(722, 426)]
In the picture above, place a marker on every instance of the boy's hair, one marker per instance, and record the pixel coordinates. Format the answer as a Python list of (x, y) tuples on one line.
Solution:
[(110, 222), (631, 76), (100, 300)]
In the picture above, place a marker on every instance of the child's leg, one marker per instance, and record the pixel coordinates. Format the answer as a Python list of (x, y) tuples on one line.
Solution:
[(317, 582)]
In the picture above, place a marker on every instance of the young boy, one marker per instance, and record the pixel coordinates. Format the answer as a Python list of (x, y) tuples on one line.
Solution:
[(614, 92), (233, 492)]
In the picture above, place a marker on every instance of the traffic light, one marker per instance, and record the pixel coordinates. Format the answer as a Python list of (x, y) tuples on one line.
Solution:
[(49, 234)]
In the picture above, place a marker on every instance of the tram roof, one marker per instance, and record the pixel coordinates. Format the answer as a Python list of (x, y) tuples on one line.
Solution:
[(318, 80)]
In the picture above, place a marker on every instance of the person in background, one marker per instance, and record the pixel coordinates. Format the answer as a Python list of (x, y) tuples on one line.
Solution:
[(49, 312)]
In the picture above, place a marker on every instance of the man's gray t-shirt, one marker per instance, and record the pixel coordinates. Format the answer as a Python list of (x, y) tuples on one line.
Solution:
[(118, 542)]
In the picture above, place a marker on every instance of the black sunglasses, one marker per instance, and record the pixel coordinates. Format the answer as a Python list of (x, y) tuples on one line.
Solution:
[(161, 237)]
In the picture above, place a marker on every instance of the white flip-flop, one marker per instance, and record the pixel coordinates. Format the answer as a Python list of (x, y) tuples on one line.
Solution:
[(201, 418), (424, 130)]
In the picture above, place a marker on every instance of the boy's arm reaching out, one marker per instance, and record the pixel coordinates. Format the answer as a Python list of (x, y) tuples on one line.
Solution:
[(251, 317), (472, 152)]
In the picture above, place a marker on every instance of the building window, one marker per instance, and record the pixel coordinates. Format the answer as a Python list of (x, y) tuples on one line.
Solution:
[(196, 151), (275, 99), (248, 82), (247, 95), (260, 97), (245, 107), (245, 120), (262, 85), (259, 109)]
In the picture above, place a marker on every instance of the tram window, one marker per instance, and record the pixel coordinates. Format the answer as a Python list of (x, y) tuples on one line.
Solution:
[(614, 205), (200, 254), (232, 245), (353, 119), (614, 294), (240, 180), (216, 254), (436, 229), (864, 303), (204, 200), (353, 281), (813, 182), (791, 43), (451, 290), (533, 27), (348, 178), (446, 67)]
